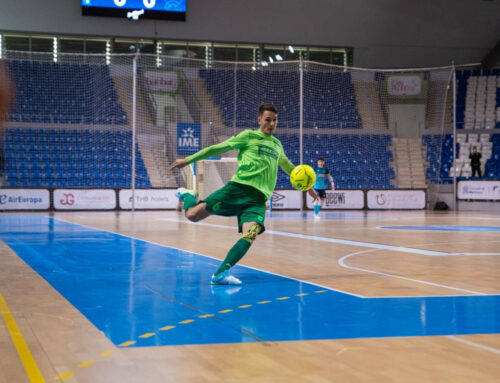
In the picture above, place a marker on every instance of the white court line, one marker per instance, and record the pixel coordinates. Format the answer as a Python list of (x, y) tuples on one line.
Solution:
[(342, 263), (207, 256), (374, 247), (335, 240), (474, 344)]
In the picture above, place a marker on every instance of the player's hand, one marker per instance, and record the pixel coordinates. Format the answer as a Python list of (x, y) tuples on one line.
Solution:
[(178, 164)]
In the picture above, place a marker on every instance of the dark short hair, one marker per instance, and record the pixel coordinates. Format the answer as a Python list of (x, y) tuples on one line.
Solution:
[(321, 159), (267, 106)]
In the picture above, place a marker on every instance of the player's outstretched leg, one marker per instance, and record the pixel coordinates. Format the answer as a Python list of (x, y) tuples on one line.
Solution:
[(187, 196), (240, 248), (194, 210)]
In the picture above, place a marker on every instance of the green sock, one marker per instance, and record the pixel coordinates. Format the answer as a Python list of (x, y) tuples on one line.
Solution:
[(189, 201), (237, 252)]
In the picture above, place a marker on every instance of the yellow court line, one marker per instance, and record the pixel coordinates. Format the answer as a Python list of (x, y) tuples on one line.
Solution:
[(29, 363)]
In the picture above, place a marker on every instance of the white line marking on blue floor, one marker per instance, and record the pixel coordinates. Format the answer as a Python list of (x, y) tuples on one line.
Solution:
[(336, 240)]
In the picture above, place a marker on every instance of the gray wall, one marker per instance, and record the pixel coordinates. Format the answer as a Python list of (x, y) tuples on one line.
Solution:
[(383, 33)]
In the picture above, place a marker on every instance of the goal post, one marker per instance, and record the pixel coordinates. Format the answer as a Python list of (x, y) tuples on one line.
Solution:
[(211, 174)]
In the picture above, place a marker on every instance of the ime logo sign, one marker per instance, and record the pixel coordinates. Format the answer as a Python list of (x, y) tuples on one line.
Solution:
[(188, 138)]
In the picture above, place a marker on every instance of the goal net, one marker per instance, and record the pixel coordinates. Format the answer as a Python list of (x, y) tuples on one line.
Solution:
[(208, 175)]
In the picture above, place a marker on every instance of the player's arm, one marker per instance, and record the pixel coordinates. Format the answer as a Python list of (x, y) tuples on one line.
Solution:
[(235, 142), (330, 178), (285, 164)]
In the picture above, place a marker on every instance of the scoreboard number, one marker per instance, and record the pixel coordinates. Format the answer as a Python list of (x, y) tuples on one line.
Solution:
[(147, 3)]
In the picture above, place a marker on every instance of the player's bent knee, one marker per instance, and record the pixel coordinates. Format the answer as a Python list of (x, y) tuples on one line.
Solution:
[(192, 216), (196, 213), (252, 233)]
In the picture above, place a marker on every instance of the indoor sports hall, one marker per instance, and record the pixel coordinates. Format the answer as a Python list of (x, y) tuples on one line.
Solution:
[(393, 275)]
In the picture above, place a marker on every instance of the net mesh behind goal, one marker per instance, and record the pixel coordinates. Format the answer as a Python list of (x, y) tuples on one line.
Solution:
[(207, 176), (118, 121)]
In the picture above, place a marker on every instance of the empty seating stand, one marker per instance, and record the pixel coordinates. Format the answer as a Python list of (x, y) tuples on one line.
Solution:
[(64, 93), (478, 99), (71, 158), (329, 99)]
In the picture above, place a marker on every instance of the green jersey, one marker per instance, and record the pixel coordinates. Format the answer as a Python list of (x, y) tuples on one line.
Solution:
[(258, 159)]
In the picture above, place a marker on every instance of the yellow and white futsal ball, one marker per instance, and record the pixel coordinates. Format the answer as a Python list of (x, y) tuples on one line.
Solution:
[(302, 177)]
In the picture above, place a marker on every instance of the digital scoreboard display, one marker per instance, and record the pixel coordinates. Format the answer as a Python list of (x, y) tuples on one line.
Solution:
[(136, 9)]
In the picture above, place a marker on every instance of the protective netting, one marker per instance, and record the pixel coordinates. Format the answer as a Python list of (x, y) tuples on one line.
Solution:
[(206, 176), (71, 124), (101, 121)]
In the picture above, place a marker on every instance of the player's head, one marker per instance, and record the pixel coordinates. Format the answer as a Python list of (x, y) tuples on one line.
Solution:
[(474, 149), (267, 106), (268, 118), (321, 162)]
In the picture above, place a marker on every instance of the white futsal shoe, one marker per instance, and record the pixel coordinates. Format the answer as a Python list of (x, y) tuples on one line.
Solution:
[(225, 278), (181, 192)]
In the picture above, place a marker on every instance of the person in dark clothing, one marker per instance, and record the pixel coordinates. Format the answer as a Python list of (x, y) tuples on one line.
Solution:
[(475, 162)]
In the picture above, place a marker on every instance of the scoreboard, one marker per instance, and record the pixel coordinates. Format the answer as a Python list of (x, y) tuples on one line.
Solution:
[(150, 9)]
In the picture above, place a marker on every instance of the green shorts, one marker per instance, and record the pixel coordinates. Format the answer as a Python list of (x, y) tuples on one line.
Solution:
[(242, 201)]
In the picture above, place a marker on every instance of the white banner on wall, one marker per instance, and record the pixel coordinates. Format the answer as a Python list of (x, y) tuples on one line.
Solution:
[(287, 199), (79, 199), (161, 81), (404, 85), (479, 190), (341, 199), (396, 199), (24, 199), (149, 199)]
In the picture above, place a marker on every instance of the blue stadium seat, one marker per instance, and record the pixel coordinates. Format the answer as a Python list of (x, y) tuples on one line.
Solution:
[(60, 162), (79, 93)]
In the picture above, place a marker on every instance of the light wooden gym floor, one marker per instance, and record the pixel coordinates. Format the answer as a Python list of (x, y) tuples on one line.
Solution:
[(44, 338)]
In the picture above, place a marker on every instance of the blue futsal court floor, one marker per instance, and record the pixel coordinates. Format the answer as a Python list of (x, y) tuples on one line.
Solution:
[(141, 294)]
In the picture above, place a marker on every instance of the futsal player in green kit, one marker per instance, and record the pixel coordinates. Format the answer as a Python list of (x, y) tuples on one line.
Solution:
[(246, 194)]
